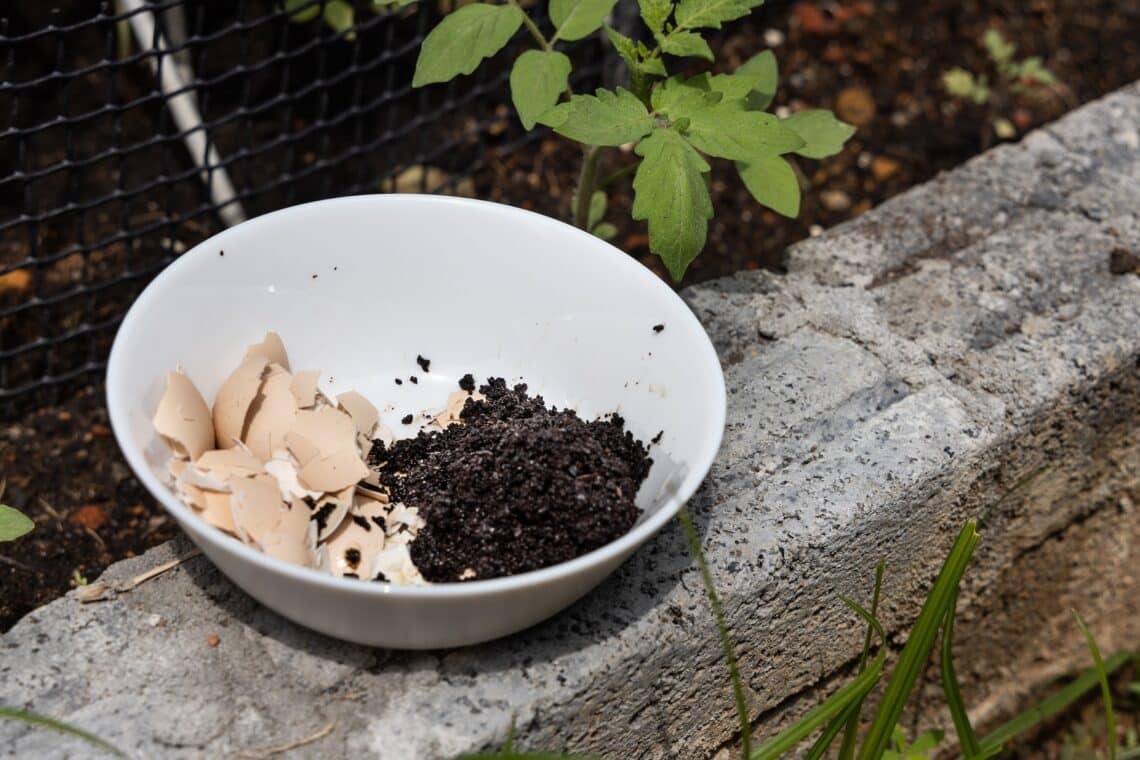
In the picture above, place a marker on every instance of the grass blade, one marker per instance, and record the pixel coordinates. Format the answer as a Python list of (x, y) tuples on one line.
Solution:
[(722, 629), (1055, 704), (855, 691), (42, 721), (1105, 691), (919, 644), (967, 739), (850, 733), (823, 743)]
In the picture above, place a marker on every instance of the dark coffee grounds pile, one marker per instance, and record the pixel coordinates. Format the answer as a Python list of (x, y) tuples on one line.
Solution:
[(515, 487)]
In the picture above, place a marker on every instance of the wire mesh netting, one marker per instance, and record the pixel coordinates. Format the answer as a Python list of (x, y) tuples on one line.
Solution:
[(124, 126)]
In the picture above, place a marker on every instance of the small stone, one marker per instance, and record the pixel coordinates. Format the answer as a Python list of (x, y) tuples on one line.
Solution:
[(1123, 261), (212, 640), (100, 431), (773, 37), (90, 516), (883, 168), (835, 200), (855, 105), (18, 281)]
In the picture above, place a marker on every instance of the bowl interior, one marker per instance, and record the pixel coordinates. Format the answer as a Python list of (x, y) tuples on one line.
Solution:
[(358, 287)]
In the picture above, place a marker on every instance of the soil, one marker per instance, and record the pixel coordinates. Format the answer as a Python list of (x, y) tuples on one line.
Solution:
[(877, 63), (516, 487)]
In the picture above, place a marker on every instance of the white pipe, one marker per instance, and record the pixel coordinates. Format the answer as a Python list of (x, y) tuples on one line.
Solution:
[(186, 116)]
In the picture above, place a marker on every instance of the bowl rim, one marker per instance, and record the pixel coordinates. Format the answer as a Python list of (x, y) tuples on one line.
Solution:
[(616, 549)]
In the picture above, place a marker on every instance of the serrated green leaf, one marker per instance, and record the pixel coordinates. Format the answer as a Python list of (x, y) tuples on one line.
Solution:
[(1000, 50), (623, 46), (654, 66), (822, 133), (670, 191), (725, 131), (463, 39), (574, 19), (764, 72), (710, 14), (679, 98), (537, 79), (606, 118), (340, 16), (13, 523), (731, 86), (686, 45), (605, 231), (302, 10), (773, 182), (655, 13)]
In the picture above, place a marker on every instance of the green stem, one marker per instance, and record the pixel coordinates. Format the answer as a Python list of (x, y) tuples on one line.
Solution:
[(531, 26), (586, 186), (622, 172)]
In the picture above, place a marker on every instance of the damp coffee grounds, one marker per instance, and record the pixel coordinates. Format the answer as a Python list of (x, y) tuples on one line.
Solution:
[(515, 487)]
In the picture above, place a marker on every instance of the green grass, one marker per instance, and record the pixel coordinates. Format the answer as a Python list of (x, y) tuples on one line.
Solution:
[(42, 721)]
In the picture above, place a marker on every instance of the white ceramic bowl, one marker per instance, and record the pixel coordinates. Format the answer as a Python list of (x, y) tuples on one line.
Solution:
[(357, 287)]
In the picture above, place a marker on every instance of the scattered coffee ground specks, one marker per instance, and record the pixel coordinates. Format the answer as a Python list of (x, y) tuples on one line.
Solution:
[(351, 575), (658, 328), (314, 277), (425, 364), (1123, 261), (322, 516), (657, 438), (515, 488), (221, 253), (381, 578), (415, 380), (467, 383), (362, 521), (407, 419), (399, 381), (352, 557)]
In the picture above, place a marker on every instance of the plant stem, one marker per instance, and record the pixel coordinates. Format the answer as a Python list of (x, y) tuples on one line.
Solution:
[(615, 176), (586, 186), (531, 26)]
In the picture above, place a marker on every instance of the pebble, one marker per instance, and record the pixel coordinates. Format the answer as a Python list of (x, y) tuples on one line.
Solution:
[(855, 105), (212, 640), (90, 516), (883, 168), (835, 200), (773, 37)]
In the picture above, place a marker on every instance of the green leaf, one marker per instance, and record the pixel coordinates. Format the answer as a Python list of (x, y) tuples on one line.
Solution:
[(537, 79), (851, 730), (1054, 705), (670, 191), (340, 16), (654, 66), (773, 182), (686, 45), (731, 86), (13, 523), (627, 49), (726, 131), (42, 721), (463, 39), (927, 741), (305, 10), (967, 739), (678, 98), (607, 118), (1105, 690), (605, 231), (597, 208), (919, 643), (763, 70), (574, 19), (383, 5), (655, 13), (710, 14), (962, 84), (822, 133), (1000, 50)]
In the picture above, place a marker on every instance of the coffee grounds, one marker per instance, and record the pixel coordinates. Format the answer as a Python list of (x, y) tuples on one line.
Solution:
[(516, 487)]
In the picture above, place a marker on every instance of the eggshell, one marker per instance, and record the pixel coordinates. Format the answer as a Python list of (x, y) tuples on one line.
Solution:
[(183, 419), (366, 541), (290, 549), (360, 409), (272, 348), (204, 479), (226, 462), (232, 403), (395, 562), (320, 433), (283, 468), (219, 511), (192, 495), (304, 387), (271, 415), (333, 473), (455, 403), (342, 503), (256, 505)]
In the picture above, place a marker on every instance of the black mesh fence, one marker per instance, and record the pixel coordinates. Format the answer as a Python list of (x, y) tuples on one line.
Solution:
[(131, 130)]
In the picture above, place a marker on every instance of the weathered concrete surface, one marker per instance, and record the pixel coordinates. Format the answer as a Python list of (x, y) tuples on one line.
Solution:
[(911, 367)]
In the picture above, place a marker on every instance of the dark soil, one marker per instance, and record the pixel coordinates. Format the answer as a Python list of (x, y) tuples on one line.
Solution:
[(878, 63), (516, 487)]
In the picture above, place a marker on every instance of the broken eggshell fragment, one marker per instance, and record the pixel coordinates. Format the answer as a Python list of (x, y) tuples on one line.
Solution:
[(364, 415), (393, 564), (304, 388), (352, 548), (183, 419), (272, 348), (234, 398), (256, 505), (271, 414)]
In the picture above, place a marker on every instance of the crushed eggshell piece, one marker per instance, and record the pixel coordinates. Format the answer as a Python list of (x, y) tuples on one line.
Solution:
[(284, 469), (256, 505), (226, 462), (331, 511), (271, 415), (394, 564), (333, 473), (360, 409), (272, 348), (320, 433), (219, 511), (455, 403), (183, 418), (234, 398), (352, 548), (304, 388)]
